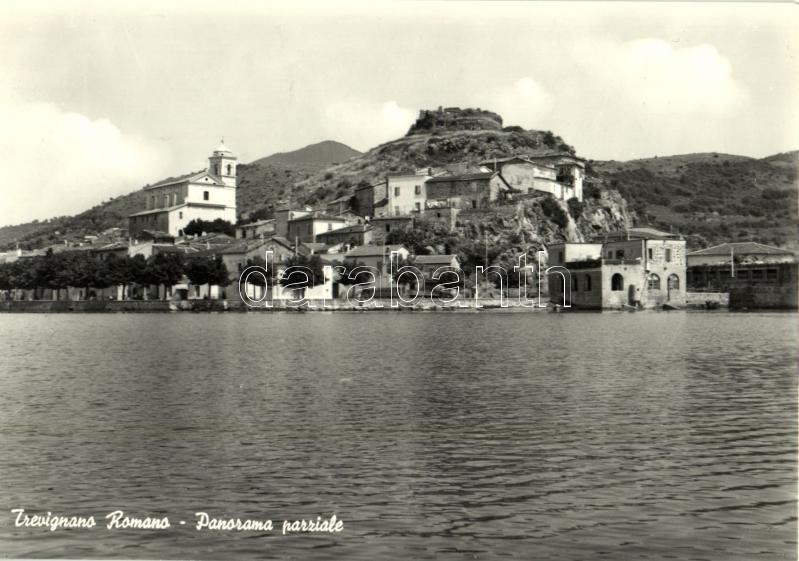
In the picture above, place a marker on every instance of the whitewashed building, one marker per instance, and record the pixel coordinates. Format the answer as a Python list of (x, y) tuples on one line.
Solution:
[(206, 195)]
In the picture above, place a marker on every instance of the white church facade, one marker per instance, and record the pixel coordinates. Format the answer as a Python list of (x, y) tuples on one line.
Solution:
[(206, 195)]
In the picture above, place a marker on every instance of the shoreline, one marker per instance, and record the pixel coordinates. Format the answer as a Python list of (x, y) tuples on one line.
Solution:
[(237, 306)]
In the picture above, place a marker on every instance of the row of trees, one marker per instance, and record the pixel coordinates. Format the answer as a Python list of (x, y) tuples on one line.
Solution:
[(59, 271)]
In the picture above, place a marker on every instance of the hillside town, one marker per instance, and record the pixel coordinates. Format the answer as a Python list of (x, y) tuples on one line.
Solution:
[(185, 247)]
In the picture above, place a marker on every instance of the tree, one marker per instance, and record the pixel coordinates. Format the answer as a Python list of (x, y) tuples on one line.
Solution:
[(207, 270), (575, 207), (303, 271), (164, 269), (199, 226)]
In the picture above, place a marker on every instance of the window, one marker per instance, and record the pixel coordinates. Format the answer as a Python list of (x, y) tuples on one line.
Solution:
[(418, 207), (474, 203), (396, 210), (417, 189), (205, 195), (674, 282), (653, 282), (229, 169), (610, 254), (396, 191), (757, 274), (771, 275), (560, 257), (388, 227), (575, 284), (649, 253), (617, 282), (180, 214), (329, 226), (216, 169), (619, 254), (587, 283), (668, 255)]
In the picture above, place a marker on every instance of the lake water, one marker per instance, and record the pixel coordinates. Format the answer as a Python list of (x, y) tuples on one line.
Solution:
[(432, 436)]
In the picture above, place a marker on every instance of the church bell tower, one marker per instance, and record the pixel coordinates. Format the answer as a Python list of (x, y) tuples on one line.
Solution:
[(222, 163)]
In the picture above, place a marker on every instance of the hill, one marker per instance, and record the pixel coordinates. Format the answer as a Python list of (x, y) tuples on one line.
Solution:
[(710, 198), (260, 182), (713, 197), (324, 153)]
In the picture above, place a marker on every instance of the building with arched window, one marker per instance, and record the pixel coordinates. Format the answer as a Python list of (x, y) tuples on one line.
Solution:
[(641, 267), (205, 195)]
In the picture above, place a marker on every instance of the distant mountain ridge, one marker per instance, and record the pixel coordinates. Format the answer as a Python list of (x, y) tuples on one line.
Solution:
[(327, 152)]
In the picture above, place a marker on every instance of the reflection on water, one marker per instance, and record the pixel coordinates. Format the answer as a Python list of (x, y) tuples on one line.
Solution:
[(433, 436)]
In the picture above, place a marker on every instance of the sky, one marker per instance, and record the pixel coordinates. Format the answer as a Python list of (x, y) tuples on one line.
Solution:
[(98, 99)]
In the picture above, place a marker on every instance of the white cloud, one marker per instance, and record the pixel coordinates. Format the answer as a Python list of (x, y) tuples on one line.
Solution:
[(525, 103), (661, 78), (363, 124), (59, 162)]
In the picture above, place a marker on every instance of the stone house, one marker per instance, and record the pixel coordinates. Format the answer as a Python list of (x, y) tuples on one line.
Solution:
[(259, 229), (542, 175), (640, 268), (383, 225), (470, 190), (359, 234)]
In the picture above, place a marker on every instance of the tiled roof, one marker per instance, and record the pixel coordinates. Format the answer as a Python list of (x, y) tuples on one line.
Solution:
[(317, 217), (377, 218), (434, 259), (463, 177), (370, 250), (359, 228), (741, 248), (551, 155), (313, 246), (282, 241)]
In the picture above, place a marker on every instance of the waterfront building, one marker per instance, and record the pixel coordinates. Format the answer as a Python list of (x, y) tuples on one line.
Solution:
[(753, 274), (377, 258), (437, 265), (642, 268), (205, 195), (740, 253)]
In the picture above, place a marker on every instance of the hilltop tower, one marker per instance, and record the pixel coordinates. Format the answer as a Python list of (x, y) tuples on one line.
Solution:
[(222, 163)]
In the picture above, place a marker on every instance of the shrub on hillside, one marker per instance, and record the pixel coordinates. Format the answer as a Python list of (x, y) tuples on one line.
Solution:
[(592, 191), (575, 207), (554, 211)]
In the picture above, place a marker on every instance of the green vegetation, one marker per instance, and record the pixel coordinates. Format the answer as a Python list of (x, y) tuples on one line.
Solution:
[(712, 198), (198, 227), (82, 269), (554, 211), (303, 271)]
